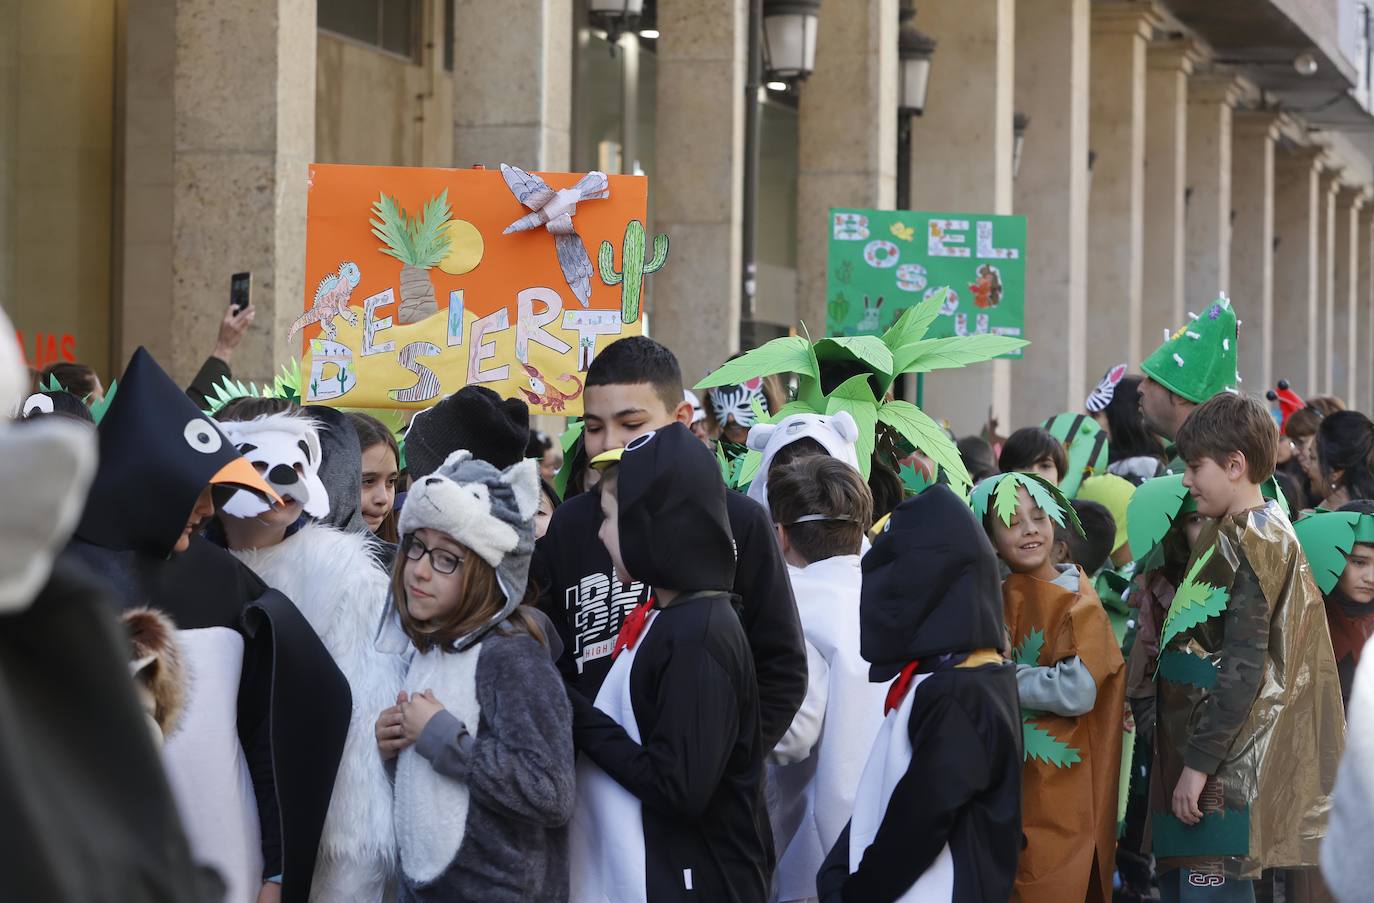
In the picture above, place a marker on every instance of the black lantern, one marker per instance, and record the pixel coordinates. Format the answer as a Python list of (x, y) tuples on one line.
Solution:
[(789, 39), (615, 16), (914, 50)]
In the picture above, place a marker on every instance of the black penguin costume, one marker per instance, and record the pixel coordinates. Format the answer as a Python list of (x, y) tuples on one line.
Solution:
[(685, 755), (157, 453), (949, 828)]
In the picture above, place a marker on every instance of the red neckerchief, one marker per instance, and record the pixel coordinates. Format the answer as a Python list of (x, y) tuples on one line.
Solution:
[(897, 692), (632, 627)]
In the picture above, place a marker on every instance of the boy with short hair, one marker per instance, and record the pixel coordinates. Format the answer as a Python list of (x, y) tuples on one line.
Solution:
[(1249, 712), (821, 507), (1071, 680), (669, 789), (634, 386)]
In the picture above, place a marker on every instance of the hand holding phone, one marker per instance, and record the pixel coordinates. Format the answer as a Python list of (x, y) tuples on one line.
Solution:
[(240, 290)]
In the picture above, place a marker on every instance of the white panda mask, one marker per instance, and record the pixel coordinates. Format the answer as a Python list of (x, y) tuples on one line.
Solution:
[(285, 451)]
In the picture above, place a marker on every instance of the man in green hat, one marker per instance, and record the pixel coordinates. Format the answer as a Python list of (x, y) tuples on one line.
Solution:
[(1195, 363)]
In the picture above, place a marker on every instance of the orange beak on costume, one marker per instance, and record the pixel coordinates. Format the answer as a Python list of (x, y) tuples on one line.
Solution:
[(240, 474)]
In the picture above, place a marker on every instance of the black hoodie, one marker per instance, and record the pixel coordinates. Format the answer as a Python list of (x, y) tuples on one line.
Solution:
[(697, 768), (931, 592), (157, 453)]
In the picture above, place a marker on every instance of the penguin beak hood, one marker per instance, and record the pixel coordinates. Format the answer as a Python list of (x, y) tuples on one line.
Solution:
[(240, 474)]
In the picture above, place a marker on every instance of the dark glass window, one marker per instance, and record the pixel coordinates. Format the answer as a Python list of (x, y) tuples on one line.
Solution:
[(389, 25)]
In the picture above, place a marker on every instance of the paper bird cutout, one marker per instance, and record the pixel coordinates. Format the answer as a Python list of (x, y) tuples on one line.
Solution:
[(554, 211)]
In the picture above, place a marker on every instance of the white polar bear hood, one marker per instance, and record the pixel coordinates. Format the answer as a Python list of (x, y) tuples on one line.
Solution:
[(837, 433)]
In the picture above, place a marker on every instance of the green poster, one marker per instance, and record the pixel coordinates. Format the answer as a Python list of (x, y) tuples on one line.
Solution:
[(881, 262)]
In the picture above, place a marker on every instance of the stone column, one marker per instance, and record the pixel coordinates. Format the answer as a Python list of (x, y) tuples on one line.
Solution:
[(9, 145), (219, 133), (1296, 266), (1116, 202), (1168, 65), (962, 162), (1327, 185), (1363, 334), (1207, 260), (512, 74), (1342, 322), (1251, 283), (694, 303), (1051, 190)]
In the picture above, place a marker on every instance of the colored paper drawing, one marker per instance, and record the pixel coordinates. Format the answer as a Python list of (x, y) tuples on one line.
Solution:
[(633, 269), (421, 281), (980, 257)]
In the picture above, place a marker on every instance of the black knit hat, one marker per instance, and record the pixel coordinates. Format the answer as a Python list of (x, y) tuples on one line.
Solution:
[(494, 429)]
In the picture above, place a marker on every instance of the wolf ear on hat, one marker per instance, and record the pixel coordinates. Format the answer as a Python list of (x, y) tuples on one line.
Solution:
[(523, 480), (759, 434)]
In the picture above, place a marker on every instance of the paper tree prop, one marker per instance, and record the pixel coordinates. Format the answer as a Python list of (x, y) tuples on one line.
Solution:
[(1086, 443), (1327, 538), (855, 374), (419, 244), (1154, 507), (1195, 601), (1199, 359), (1038, 743), (1000, 494), (633, 269), (553, 210)]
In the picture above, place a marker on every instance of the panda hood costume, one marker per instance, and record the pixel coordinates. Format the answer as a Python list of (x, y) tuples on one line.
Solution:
[(258, 662)]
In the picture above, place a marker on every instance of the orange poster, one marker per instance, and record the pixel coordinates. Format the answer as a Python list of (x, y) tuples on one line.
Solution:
[(421, 281)]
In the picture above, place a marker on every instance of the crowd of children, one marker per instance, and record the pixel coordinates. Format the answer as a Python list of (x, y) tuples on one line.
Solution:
[(1109, 657)]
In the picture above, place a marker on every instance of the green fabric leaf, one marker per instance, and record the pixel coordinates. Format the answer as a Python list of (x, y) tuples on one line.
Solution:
[(856, 396), (1186, 668), (1327, 538), (789, 354), (1028, 651), (1195, 601), (916, 427), (1152, 511), (913, 325), (953, 351), (1041, 744)]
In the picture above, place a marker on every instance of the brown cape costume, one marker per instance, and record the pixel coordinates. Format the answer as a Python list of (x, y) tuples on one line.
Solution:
[(1069, 811), (1268, 805)]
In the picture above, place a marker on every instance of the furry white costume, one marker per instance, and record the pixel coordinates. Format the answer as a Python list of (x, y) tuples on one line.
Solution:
[(337, 584)]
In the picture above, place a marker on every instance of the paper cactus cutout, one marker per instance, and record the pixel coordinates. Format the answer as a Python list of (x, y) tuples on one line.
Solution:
[(1195, 601), (633, 269), (1000, 493), (1028, 651), (873, 364), (1039, 743), (1086, 443), (1327, 538)]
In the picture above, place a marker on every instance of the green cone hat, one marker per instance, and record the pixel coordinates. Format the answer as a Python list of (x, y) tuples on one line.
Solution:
[(1199, 360)]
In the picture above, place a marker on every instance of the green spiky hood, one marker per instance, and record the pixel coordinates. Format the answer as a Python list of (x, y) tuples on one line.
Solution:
[(1198, 361), (1086, 443), (856, 373), (1327, 538), (999, 494)]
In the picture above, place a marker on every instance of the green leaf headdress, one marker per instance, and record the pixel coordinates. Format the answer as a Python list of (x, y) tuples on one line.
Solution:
[(1327, 538), (860, 371), (999, 494), (1086, 443)]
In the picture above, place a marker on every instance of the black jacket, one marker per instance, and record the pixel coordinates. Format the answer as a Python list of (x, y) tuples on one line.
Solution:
[(931, 593), (579, 593), (698, 768)]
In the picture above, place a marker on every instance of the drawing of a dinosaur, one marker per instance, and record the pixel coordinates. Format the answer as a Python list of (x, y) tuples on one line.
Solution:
[(551, 399), (331, 300)]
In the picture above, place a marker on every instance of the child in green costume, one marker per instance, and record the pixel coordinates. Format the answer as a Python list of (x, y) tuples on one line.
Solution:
[(1340, 549)]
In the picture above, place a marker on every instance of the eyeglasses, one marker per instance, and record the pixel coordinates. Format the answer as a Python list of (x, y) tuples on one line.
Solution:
[(442, 561)]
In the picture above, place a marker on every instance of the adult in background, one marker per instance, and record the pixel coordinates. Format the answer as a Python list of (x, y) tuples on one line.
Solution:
[(232, 328), (1345, 457), (1133, 452)]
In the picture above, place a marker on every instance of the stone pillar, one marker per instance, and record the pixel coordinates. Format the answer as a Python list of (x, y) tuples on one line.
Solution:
[(961, 161), (1251, 283), (1116, 202), (1327, 185), (694, 303), (512, 74), (1051, 190), (1168, 65), (1207, 260), (219, 132), (1296, 266), (1342, 322), (1363, 334), (9, 146)]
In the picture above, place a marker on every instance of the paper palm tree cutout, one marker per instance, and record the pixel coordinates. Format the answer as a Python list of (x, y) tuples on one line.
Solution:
[(862, 370), (1196, 601), (419, 243), (554, 211)]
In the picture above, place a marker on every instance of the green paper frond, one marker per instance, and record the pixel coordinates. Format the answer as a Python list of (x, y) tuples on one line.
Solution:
[(1041, 744), (789, 354), (1028, 651), (1327, 538), (913, 481), (913, 325), (419, 242), (1153, 508), (1001, 490), (953, 351), (99, 408), (287, 384), (1195, 601), (50, 384), (917, 428), (568, 441)]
